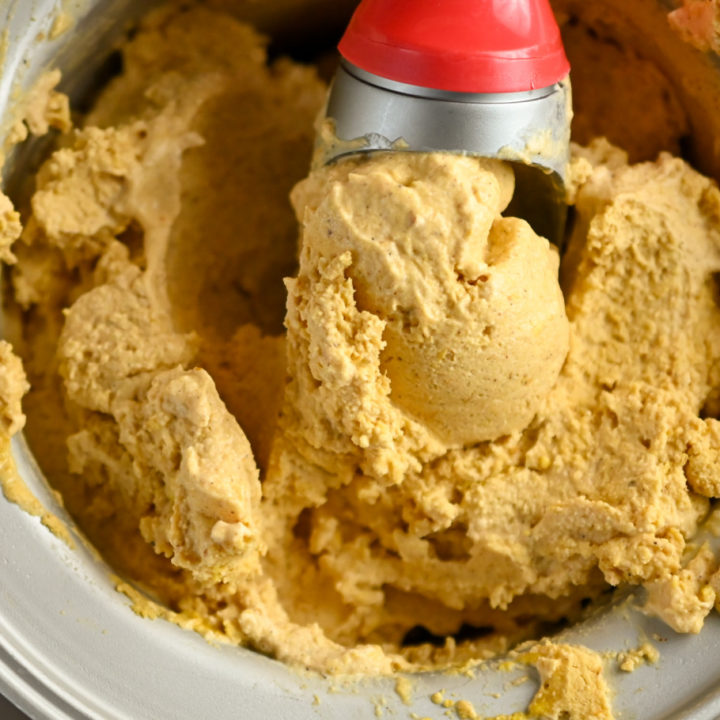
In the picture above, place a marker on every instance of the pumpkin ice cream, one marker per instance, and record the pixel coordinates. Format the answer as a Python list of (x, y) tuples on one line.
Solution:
[(458, 438), (458, 300)]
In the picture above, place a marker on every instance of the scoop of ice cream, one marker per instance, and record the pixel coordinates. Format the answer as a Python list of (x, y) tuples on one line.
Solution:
[(475, 327)]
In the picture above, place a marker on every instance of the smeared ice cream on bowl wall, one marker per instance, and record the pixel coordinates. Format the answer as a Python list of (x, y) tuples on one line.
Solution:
[(358, 418)]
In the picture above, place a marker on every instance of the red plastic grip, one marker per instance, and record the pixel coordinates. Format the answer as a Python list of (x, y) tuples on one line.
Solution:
[(483, 46)]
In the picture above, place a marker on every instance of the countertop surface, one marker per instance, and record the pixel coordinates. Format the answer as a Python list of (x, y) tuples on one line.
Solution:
[(9, 712)]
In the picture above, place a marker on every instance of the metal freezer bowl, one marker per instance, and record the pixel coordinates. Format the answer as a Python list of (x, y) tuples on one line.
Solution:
[(70, 646)]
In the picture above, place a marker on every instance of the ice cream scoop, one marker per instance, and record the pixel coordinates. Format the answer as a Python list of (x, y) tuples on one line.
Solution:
[(479, 77)]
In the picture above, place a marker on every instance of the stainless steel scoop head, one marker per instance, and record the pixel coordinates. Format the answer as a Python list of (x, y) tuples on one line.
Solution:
[(531, 129)]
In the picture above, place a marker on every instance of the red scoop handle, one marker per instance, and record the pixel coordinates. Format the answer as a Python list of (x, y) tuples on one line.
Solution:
[(475, 46)]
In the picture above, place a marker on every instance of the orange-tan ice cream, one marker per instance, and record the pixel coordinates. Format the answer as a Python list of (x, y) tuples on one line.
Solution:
[(457, 436)]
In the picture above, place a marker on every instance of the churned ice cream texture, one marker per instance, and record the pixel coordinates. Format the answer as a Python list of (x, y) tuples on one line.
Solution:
[(458, 439), (462, 309), (698, 22)]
